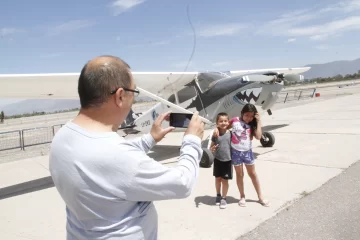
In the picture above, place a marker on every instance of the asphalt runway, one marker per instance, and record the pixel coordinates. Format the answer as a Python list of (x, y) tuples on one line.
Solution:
[(331, 212)]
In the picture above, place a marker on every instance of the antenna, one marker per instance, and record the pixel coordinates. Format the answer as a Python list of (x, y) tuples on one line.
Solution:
[(194, 44)]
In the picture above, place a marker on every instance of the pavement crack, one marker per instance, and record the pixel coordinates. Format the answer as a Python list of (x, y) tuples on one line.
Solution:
[(320, 133), (303, 164)]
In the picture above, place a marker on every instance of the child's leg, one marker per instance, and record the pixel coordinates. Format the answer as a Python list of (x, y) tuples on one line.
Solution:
[(217, 176), (256, 182), (225, 187), (227, 174), (218, 189), (238, 166), (255, 179), (240, 179), (218, 185)]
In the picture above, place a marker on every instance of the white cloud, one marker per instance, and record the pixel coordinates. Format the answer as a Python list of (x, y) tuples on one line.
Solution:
[(70, 26), (291, 40), (229, 29), (163, 42), (322, 47), (343, 6), (316, 24), (50, 55), (4, 32), (220, 64), (149, 43), (319, 37), (121, 6), (182, 65), (321, 31)]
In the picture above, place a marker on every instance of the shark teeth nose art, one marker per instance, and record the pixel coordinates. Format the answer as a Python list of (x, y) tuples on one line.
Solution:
[(248, 96)]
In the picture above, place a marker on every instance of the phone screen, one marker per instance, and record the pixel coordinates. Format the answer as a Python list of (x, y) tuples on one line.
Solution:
[(180, 120)]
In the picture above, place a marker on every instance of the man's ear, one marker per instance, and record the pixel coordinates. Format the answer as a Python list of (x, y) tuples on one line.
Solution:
[(119, 97)]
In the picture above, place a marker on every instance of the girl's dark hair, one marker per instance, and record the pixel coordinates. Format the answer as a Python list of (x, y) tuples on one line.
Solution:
[(250, 108)]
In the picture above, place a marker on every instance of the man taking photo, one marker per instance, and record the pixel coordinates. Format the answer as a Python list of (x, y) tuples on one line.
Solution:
[(108, 183)]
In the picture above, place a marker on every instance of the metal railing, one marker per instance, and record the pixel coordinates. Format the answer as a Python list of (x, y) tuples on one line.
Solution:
[(20, 139), (295, 95), (10, 140)]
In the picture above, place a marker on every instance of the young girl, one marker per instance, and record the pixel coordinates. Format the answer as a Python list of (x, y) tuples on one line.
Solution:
[(244, 128)]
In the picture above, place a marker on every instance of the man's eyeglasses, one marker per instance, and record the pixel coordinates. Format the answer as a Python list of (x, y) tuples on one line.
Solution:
[(135, 91)]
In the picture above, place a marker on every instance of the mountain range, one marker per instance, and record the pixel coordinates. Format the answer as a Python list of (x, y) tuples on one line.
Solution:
[(331, 69), (13, 107)]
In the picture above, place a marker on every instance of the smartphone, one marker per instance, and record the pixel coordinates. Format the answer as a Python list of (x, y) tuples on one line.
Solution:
[(180, 120)]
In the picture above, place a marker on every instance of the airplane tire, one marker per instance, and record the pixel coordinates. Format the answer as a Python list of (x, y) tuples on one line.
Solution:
[(270, 140), (207, 158)]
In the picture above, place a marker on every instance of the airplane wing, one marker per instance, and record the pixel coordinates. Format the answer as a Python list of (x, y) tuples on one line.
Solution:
[(156, 85), (64, 85), (277, 70)]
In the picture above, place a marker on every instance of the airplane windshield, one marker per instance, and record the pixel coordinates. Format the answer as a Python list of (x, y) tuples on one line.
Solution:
[(205, 79)]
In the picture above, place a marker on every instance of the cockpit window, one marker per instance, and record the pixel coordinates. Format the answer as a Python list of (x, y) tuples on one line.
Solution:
[(205, 79)]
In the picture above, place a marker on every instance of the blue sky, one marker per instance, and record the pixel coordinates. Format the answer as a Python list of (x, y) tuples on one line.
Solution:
[(155, 35)]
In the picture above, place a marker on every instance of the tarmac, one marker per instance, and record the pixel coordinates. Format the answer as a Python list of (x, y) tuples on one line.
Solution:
[(316, 140), (331, 212)]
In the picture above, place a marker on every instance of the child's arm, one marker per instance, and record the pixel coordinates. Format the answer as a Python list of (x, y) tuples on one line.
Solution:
[(258, 132), (213, 146), (230, 123), (215, 133)]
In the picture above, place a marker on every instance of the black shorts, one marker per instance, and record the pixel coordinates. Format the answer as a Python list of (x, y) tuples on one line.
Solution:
[(222, 169)]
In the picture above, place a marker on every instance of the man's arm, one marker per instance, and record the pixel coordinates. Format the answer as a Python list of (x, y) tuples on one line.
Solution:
[(153, 181), (143, 143)]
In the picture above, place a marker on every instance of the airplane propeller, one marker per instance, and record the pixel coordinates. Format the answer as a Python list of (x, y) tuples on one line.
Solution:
[(292, 77), (286, 77), (273, 77), (257, 78)]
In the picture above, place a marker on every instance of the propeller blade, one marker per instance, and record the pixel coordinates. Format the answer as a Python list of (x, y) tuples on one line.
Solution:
[(294, 77), (257, 78)]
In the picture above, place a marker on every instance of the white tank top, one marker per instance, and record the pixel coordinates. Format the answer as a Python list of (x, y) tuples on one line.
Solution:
[(241, 132)]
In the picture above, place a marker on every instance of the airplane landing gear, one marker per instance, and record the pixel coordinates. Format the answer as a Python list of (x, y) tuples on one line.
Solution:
[(207, 158), (267, 139)]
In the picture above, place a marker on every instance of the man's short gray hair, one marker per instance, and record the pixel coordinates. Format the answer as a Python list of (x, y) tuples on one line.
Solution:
[(99, 77)]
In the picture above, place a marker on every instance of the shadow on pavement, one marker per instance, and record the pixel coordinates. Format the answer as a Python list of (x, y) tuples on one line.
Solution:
[(269, 128), (164, 152), (26, 187), (210, 200)]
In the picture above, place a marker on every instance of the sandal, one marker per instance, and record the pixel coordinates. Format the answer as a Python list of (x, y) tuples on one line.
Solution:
[(265, 203), (242, 202)]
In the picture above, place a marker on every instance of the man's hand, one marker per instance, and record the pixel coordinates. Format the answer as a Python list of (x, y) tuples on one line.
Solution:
[(157, 132), (196, 126)]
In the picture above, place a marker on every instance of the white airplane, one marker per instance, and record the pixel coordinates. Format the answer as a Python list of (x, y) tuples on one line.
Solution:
[(183, 92)]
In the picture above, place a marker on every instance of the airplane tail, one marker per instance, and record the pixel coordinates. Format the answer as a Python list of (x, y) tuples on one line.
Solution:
[(144, 122)]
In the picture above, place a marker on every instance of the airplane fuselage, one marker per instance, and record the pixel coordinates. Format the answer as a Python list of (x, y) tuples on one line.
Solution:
[(230, 95)]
